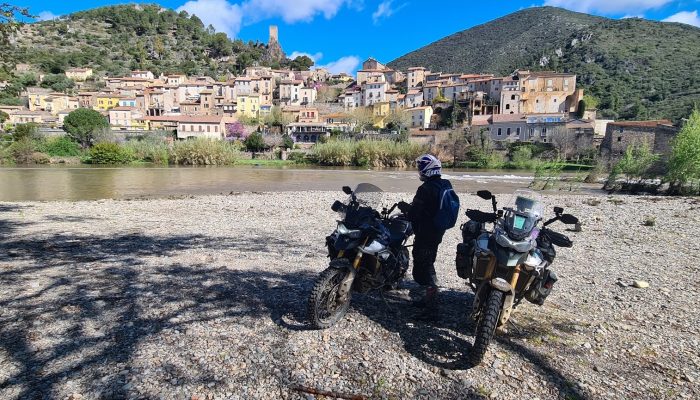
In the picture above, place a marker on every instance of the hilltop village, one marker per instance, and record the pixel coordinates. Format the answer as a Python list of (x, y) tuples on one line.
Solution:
[(526, 106)]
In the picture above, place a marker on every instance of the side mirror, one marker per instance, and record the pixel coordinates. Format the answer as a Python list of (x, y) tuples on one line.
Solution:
[(484, 194), (337, 206), (568, 219), (558, 210), (347, 190)]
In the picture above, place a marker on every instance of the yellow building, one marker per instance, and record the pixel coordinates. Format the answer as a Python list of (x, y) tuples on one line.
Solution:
[(106, 102), (379, 113), (248, 106), (37, 98)]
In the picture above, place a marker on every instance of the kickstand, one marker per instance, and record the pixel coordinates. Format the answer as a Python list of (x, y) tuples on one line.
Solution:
[(386, 303), (516, 327)]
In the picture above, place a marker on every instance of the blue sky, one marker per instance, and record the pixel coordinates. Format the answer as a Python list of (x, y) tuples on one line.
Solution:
[(341, 33)]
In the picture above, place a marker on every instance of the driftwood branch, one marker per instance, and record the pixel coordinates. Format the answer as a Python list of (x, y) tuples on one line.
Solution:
[(318, 392)]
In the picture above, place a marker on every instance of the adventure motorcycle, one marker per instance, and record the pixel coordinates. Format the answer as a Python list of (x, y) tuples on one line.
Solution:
[(367, 250), (508, 263)]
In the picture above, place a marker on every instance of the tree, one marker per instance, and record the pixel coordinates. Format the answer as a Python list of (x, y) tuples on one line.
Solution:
[(327, 94), (277, 118), (362, 117), (301, 63), (25, 131), (4, 117), (684, 163), (398, 119), (8, 20), (57, 82), (287, 142), (82, 124), (220, 45), (563, 140), (255, 142), (235, 131), (635, 163)]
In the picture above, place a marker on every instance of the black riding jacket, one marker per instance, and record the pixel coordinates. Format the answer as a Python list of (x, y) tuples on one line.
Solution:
[(424, 207)]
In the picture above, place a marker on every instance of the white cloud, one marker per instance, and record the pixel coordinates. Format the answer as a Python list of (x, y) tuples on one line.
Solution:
[(685, 17), (316, 56), (46, 16), (346, 64), (385, 10), (291, 11), (228, 17), (632, 16), (222, 15), (608, 6)]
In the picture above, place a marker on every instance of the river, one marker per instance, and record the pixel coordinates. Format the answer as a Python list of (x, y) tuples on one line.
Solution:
[(73, 183)]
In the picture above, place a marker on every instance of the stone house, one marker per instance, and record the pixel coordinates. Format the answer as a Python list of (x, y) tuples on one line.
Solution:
[(142, 74), (307, 132), (201, 126), (290, 92), (620, 135), (79, 74), (374, 89), (415, 77)]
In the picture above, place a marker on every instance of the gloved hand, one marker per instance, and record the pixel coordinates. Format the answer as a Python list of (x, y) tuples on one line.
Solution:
[(404, 207)]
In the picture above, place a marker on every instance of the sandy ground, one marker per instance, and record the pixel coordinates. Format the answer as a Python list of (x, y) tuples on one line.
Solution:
[(205, 297)]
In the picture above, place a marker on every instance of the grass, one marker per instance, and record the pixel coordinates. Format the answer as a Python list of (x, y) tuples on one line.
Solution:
[(367, 153)]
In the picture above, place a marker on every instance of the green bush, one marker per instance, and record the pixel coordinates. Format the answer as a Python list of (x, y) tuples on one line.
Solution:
[(60, 146), (109, 153), (22, 151), (153, 151), (203, 152)]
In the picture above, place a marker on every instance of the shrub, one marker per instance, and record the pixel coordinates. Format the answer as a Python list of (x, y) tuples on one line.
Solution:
[(155, 151), (60, 146), (109, 153), (255, 142), (203, 152), (684, 163), (40, 158), (366, 153), (22, 151)]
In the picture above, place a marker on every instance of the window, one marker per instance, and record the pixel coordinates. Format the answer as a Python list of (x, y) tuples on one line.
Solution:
[(208, 128), (549, 82), (512, 97), (517, 131), (507, 106), (532, 132), (619, 138), (499, 132), (508, 132), (555, 100)]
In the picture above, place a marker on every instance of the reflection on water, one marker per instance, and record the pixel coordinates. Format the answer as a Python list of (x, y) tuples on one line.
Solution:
[(90, 183)]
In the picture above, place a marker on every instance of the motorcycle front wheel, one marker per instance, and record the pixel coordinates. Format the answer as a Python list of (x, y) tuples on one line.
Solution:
[(486, 326), (325, 306)]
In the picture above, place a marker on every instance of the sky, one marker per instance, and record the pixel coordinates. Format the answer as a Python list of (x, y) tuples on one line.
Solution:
[(340, 34)]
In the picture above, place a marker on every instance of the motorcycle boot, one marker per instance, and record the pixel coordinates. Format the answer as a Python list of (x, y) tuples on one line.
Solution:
[(429, 304)]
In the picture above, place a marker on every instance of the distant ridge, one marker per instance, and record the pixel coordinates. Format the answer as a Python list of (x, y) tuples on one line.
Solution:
[(637, 69)]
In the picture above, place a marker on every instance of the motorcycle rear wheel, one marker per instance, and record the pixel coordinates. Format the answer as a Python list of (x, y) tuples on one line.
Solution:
[(486, 326), (325, 309)]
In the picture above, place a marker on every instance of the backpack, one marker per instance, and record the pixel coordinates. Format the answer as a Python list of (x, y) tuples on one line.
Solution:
[(446, 216)]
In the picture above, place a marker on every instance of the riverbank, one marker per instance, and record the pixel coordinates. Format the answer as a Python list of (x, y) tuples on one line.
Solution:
[(206, 296)]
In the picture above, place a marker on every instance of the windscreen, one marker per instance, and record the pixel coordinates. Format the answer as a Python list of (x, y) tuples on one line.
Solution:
[(368, 195)]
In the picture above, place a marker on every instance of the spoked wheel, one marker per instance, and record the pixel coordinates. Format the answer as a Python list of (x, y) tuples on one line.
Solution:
[(486, 326), (325, 305)]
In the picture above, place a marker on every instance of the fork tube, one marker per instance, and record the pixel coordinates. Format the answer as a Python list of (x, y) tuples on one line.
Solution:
[(516, 275), (358, 257)]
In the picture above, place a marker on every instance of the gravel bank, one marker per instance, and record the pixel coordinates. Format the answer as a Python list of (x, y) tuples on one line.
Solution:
[(204, 298)]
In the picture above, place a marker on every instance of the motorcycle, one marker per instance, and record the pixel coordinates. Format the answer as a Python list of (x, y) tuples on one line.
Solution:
[(367, 251), (508, 263)]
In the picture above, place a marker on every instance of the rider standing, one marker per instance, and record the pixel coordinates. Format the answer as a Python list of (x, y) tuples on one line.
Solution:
[(422, 212)]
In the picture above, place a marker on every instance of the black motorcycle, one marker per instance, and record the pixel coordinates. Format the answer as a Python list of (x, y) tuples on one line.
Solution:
[(367, 250), (508, 263)]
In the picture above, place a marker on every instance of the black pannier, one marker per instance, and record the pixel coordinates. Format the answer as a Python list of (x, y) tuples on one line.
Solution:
[(465, 259), (470, 231)]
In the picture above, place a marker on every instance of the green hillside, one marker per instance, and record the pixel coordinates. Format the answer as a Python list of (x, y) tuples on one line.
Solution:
[(637, 69), (117, 39)]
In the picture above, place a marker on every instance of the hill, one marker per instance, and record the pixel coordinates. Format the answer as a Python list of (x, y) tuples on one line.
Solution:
[(117, 39), (636, 69)]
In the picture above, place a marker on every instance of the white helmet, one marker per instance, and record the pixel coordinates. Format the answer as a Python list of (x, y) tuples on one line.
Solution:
[(428, 165)]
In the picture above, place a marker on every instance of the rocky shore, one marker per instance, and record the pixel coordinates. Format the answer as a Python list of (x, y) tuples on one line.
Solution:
[(205, 297)]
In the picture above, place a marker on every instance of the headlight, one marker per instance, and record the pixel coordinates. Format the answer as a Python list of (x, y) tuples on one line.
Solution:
[(351, 233)]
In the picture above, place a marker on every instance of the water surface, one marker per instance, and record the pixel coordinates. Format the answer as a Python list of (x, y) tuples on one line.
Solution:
[(93, 182)]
